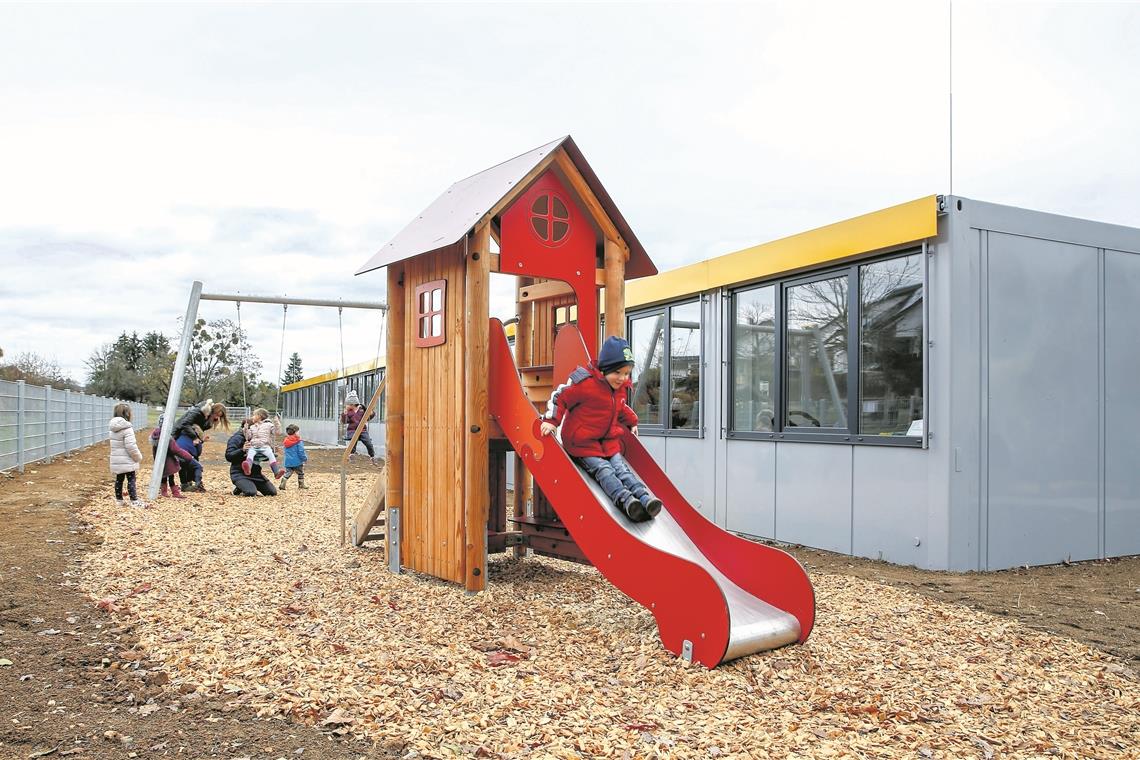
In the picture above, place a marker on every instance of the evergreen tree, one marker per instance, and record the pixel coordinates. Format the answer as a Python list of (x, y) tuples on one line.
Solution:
[(293, 372)]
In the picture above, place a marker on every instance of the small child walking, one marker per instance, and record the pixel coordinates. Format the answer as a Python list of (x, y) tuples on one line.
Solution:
[(261, 431), (592, 410), (295, 457), (125, 455)]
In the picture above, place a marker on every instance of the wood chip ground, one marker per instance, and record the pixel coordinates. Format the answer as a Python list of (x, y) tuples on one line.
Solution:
[(255, 600)]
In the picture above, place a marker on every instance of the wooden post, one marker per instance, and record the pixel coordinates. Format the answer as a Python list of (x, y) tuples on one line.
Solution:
[(476, 456), (615, 289), (523, 342), (394, 399)]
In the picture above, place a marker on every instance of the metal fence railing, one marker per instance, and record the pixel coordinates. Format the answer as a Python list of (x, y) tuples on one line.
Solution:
[(39, 422)]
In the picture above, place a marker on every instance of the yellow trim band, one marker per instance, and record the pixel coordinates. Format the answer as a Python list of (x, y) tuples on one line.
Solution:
[(352, 369), (897, 225)]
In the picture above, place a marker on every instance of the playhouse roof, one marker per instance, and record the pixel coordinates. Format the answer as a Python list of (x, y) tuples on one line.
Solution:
[(453, 214)]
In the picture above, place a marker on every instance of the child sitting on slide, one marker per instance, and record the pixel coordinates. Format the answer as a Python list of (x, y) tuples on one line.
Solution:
[(261, 431), (591, 407)]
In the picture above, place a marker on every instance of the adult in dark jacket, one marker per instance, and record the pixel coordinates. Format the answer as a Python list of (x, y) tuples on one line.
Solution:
[(206, 416), (246, 485)]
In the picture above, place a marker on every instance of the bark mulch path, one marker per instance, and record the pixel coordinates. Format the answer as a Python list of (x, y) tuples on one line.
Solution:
[(226, 627)]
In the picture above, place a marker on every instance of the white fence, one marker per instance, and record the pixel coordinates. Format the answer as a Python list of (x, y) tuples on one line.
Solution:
[(40, 422)]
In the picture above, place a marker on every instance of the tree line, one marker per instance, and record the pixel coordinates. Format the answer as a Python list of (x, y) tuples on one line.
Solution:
[(222, 365)]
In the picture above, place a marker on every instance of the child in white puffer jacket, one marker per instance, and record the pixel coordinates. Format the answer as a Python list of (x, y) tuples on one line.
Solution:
[(125, 455)]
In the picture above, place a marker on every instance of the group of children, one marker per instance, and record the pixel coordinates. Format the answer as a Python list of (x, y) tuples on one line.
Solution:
[(259, 431), (590, 406)]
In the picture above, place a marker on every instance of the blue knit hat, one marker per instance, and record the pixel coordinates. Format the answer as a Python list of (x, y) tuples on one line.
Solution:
[(614, 355)]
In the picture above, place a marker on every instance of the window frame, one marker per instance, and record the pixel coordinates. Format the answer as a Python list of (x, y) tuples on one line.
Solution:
[(431, 340), (851, 434), (663, 426)]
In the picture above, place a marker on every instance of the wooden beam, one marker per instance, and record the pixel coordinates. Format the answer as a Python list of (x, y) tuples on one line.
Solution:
[(540, 291), (476, 458), (394, 398), (563, 161), (495, 267), (615, 290)]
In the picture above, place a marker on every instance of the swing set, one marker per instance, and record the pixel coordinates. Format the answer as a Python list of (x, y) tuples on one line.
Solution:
[(196, 296)]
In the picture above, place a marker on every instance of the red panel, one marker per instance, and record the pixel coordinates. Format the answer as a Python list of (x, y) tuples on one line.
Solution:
[(545, 234), (683, 597), (763, 571)]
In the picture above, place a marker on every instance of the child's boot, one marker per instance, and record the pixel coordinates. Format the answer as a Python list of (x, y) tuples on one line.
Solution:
[(164, 491), (301, 484), (281, 485), (634, 509), (176, 492), (245, 467), (278, 471), (652, 506)]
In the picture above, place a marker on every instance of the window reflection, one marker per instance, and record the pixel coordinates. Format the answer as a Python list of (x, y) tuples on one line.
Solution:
[(754, 360), (816, 340), (685, 366), (890, 347), (646, 337)]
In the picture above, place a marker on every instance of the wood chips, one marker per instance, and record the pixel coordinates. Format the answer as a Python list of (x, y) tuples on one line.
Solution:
[(254, 599)]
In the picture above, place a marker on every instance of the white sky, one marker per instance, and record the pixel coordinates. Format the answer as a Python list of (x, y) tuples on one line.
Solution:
[(273, 148)]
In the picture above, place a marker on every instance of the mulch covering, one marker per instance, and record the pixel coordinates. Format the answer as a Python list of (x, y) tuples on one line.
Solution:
[(255, 599)]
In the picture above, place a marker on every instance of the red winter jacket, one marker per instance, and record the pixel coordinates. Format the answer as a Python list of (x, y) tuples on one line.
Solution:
[(597, 413)]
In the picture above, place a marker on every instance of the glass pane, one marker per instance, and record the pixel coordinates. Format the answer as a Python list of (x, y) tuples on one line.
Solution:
[(541, 227), (890, 347), (541, 204), (560, 229), (685, 366), (437, 299), (424, 327), (573, 313), (436, 325), (754, 360), (560, 211), (424, 302), (647, 339), (816, 341)]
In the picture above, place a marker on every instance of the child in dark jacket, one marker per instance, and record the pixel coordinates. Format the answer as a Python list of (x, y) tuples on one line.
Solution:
[(592, 410), (295, 457), (353, 417), (175, 457)]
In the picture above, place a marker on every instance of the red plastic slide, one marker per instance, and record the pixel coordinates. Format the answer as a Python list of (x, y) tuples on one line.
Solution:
[(715, 596)]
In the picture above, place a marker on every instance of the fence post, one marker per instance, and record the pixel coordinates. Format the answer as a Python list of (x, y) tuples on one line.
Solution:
[(47, 424), (20, 409), (66, 420)]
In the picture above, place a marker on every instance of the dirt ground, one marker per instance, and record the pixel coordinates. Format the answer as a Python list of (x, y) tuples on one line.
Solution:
[(73, 685)]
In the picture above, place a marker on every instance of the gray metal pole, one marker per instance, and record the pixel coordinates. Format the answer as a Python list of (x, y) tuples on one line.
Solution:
[(21, 411), (175, 393), (295, 301)]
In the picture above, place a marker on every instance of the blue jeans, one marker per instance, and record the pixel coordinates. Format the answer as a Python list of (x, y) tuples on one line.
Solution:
[(616, 479)]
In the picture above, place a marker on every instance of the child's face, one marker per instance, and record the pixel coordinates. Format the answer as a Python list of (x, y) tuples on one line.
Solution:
[(618, 377), (259, 417)]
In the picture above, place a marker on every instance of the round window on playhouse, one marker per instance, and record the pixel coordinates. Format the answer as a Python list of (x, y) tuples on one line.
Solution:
[(550, 219)]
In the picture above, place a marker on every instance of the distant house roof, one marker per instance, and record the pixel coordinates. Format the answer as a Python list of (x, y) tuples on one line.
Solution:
[(453, 214)]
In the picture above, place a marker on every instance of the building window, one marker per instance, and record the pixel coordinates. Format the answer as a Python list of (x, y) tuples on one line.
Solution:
[(754, 359), (831, 356), (430, 300), (890, 347), (667, 384)]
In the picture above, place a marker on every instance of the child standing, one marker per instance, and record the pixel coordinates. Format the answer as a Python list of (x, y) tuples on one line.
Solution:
[(295, 456), (125, 455), (353, 417), (591, 407), (261, 432)]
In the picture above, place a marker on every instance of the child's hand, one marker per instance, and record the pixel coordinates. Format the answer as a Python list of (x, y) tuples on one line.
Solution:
[(633, 430), (548, 428)]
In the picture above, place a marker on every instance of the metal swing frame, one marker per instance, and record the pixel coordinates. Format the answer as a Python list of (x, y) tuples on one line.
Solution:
[(175, 392)]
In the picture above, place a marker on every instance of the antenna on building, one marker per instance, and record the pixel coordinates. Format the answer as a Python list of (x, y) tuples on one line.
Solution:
[(950, 76)]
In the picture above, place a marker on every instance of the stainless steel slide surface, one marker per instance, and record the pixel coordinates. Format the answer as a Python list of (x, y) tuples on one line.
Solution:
[(754, 624)]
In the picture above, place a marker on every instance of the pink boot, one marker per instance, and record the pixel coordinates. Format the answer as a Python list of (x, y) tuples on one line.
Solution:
[(245, 467), (176, 492), (164, 491)]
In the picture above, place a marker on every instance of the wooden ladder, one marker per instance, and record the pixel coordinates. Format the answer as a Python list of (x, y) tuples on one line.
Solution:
[(371, 513)]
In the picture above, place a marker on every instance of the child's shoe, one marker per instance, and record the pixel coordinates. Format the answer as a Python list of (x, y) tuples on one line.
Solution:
[(245, 467), (176, 492), (139, 503), (164, 491), (281, 485), (120, 502), (652, 506), (634, 509), (278, 471), (199, 487)]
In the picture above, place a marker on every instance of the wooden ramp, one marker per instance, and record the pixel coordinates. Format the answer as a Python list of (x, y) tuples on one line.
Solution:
[(371, 512)]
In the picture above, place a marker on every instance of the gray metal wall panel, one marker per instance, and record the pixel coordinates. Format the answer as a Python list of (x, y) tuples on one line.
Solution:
[(938, 462), (1043, 429), (750, 486), (655, 445), (1122, 404), (889, 505), (692, 472), (813, 495)]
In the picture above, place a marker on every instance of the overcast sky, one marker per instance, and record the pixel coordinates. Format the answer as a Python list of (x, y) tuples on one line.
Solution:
[(273, 149)]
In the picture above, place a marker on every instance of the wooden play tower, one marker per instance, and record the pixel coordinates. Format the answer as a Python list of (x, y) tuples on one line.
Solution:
[(562, 237)]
